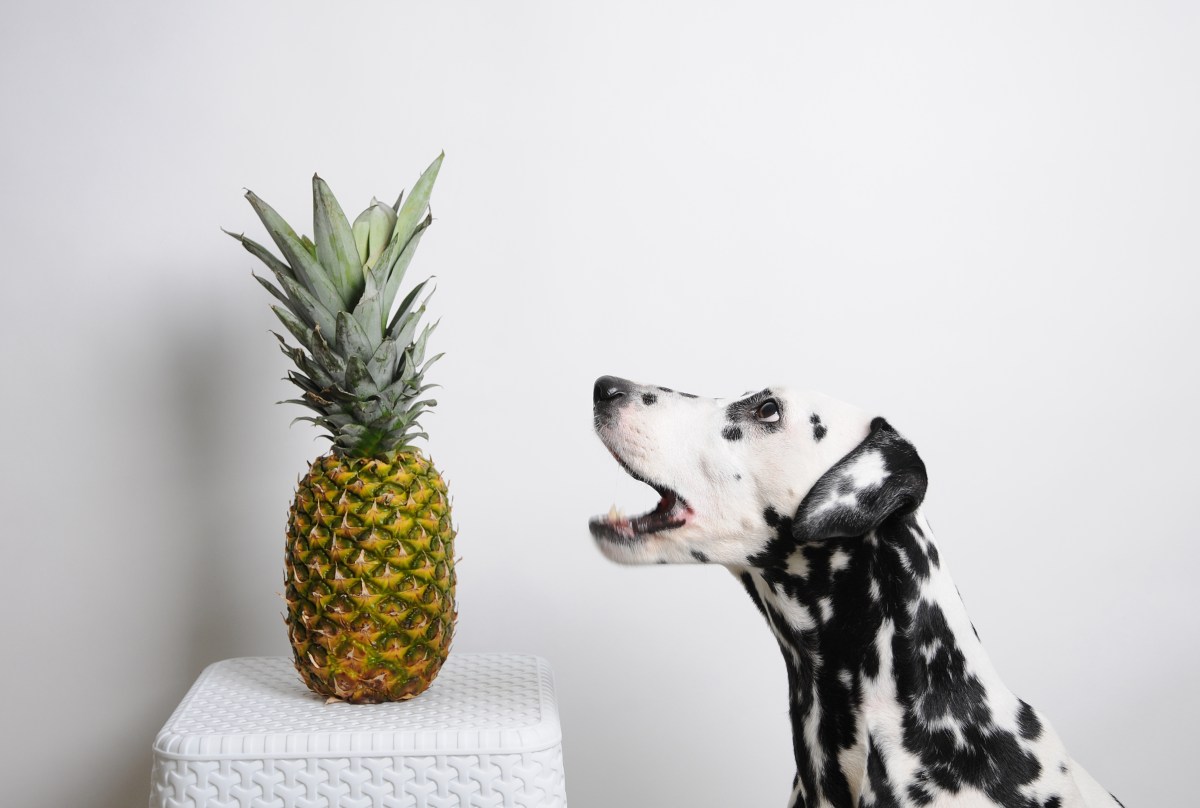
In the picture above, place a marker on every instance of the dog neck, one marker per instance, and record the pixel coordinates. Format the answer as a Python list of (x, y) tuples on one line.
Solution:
[(888, 680)]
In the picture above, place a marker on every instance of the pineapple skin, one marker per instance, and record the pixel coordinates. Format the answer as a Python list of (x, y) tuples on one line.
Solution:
[(369, 576)]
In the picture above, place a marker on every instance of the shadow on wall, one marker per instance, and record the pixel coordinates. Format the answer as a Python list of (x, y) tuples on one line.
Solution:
[(231, 535), (211, 540)]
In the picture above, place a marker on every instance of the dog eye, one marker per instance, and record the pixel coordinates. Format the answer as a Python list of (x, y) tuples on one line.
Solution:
[(768, 411)]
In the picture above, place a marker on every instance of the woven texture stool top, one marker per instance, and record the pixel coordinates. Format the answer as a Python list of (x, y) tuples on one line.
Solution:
[(256, 707)]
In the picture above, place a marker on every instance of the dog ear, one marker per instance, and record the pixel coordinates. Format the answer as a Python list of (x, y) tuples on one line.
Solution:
[(881, 477)]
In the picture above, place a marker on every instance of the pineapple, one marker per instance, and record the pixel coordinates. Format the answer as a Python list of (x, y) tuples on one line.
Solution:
[(369, 561)]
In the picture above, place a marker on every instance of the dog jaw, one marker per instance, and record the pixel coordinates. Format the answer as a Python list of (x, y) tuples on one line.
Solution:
[(644, 538)]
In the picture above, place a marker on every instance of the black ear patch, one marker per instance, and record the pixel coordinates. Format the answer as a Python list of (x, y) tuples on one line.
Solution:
[(882, 476)]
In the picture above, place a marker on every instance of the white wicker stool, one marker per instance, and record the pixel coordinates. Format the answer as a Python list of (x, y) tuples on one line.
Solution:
[(250, 735)]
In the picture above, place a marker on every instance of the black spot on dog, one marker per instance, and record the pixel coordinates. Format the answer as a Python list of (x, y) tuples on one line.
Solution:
[(737, 477), (818, 428), (649, 398), (666, 389), (1053, 802), (689, 395), (699, 556), (776, 553), (919, 794), (909, 549), (752, 590), (732, 433), (1028, 722), (949, 691), (1062, 767)]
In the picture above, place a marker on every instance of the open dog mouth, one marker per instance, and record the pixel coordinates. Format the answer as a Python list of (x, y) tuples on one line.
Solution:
[(671, 512)]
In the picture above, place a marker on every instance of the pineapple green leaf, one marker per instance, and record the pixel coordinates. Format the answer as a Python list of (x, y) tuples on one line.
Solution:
[(287, 350), (311, 378), (299, 401), (425, 387), (359, 379), (304, 265), (407, 369), (386, 257), (294, 326), (406, 304), (303, 382), (409, 437), (361, 441), (373, 232), (419, 346), (325, 356), (349, 340), (261, 253), (273, 289), (361, 228), (400, 265), (377, 275), (336, 249), (408, 328), (410, 213), (316, 400), (371, 413), (367, 311), (402, 390), (382, 363), (429, 364), (302, 303), (321, 422), (389, 269)]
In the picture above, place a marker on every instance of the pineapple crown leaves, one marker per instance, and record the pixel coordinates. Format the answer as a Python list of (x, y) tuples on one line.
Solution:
[(360, 365)]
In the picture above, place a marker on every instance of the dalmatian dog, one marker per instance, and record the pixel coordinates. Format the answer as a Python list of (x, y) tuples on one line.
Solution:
[(815, 506)]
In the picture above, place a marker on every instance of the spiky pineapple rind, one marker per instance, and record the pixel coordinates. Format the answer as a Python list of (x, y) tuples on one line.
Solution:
[(369, 577)]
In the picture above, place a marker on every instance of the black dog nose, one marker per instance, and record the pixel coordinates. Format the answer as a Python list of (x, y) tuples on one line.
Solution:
[(610, 388)]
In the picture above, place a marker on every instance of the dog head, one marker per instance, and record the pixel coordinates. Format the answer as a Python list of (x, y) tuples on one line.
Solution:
[(742, 480)]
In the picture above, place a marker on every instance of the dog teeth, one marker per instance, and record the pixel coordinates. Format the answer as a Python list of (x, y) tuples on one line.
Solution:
[(615, 515)]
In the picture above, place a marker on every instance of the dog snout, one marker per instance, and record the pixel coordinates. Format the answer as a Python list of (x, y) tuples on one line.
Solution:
[(610, 389)]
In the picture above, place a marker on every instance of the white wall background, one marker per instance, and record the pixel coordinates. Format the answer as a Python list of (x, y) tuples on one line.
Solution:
[(979, 220)]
